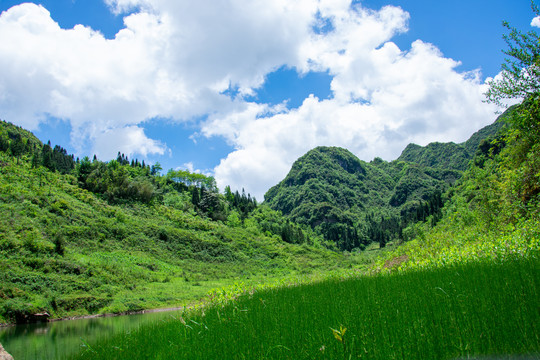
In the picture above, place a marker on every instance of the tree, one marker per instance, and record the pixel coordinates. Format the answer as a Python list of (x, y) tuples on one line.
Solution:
[(4, 142), (233, 220), (47, 157), (211, 204), (520, 80), (382, 241), (195, 196), (156, 168), (228, 194), (84, 168), (520, 77), (36, 160), (17, 146)]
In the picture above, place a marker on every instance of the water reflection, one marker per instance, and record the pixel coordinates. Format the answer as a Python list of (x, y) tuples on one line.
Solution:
[(57, 340)]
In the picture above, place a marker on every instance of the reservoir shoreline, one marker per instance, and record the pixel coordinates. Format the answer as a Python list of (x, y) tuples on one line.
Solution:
[(94, 316)]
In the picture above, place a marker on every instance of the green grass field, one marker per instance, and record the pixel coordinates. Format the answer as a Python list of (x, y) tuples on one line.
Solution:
[(461, 311)]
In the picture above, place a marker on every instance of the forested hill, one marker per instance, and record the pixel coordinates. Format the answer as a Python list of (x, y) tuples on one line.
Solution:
[(81, 236), (353, 203), (451, 155)]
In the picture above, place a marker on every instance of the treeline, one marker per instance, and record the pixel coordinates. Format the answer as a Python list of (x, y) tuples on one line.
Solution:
[(16, 141), (123, 180), (114, 181), (383, 229), (242, 203), (348, 232), (54, 159)]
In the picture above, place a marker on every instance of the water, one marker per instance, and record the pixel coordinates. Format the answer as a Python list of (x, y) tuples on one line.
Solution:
[(60, 339)]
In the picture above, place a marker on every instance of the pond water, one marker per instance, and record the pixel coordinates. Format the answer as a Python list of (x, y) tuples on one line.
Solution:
[(60, 339)]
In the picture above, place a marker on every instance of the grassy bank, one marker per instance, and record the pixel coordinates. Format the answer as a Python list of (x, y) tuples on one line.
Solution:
[(457, 311)]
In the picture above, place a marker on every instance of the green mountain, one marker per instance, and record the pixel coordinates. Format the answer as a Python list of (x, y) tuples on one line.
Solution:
[(353, 203), (450, 155), (83, 237)]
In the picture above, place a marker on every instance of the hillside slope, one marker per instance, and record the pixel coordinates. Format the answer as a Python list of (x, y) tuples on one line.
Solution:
[(451, 155), (111, 237), (493, 213)]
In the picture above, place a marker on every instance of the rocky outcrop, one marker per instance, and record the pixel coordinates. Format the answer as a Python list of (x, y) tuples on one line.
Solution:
[(4, 355)]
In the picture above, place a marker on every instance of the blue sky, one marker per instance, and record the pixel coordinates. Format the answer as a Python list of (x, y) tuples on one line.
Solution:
[(239, 89)]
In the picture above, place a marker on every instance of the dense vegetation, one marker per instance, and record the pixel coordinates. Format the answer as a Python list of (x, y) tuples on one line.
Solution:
[(353, 203), (81, 236), (494, 212), (437, 314)]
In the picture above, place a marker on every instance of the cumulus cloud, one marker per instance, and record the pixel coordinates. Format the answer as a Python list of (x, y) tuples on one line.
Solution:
[(536, 21), (80, 76), (383, 99), (189, 166), (175, 59), (129, 140)]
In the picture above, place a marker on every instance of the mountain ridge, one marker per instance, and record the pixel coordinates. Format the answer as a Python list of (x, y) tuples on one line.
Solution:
[(354, 203)]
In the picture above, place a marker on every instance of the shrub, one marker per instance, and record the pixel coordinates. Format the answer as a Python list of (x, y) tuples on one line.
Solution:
[(17, 310)]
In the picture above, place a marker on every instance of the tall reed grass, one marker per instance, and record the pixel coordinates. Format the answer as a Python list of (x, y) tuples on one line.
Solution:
[(479, 309)]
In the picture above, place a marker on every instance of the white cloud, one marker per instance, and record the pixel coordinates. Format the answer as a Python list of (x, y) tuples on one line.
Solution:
[(129, 140), (536, 21), (78, 75), (239, 42), (190, 167), (174, 58), (384, 98)]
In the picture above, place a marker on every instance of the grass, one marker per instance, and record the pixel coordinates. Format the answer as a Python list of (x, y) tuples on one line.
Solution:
[(475, 309), (459, 238)]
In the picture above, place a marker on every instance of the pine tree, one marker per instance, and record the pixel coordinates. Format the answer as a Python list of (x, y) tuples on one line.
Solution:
[(195, 197), (47, 157)]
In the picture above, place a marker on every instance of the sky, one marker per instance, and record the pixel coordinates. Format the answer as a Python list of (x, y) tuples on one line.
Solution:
[(239, 89)]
